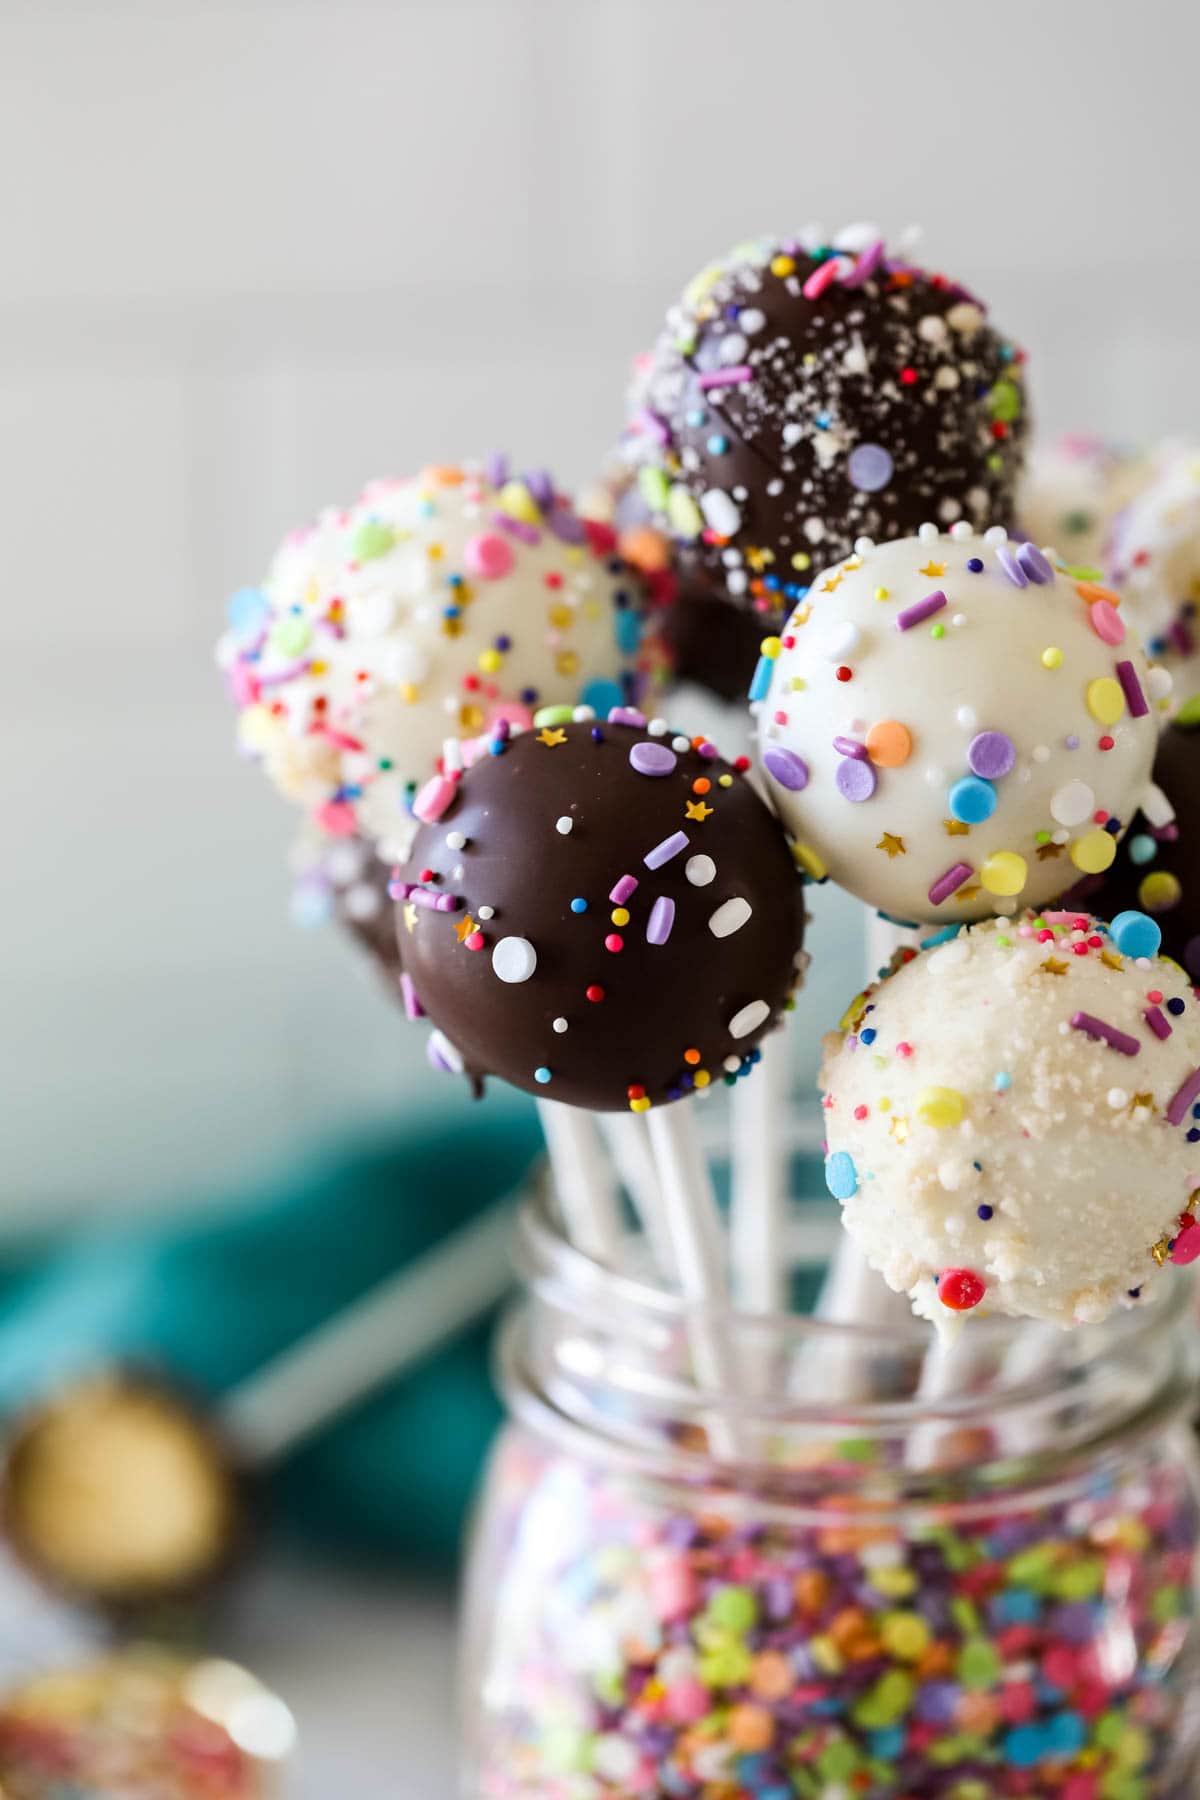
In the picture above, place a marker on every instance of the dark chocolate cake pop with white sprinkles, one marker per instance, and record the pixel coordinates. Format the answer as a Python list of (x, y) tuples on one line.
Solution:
[(803, 395), (606, 914)]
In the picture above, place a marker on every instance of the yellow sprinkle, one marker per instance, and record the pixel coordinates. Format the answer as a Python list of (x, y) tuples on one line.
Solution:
[(1159, 891), (701, 1078), (642, 1105), (893, 1580), (906, 1635), (1052, 657), (783, 265), (684, 515), (801, 560), (809, 861), (560, 617), (882, 593), (490, 661), (1094, 851), (1004, 873), (724, 780), (940, 1107), (516, 500), (770, 647), (1105, 699), (620, 915)]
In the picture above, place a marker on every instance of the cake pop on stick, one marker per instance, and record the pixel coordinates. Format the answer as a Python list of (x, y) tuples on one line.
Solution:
[(1152, 554), (1009, 1119), (801, 395), (1157, 867), (951, 726), (430, 608), (606, 913)]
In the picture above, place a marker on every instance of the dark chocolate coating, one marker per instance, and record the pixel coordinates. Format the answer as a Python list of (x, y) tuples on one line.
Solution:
[(355, 883), (1166, 883), (900, 381), (652, 1003)]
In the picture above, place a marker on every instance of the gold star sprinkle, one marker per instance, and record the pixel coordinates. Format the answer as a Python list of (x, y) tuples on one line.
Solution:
[(1048, 852), (955, 828), (933, 570), (898, 1129), (1161, 1251), (551, 737), (893, 845), (1142, 1103), (1111, 960), (697, 810), (831, 586), (464, 928), (410, 916), (1052, 966)]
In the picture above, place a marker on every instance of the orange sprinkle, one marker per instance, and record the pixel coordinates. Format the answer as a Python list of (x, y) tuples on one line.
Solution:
[(701, 785), (442, 475), (691, 1056), (1091, 591), (889, 744)]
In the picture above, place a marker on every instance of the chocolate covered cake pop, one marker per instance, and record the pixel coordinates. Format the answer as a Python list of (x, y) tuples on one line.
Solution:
[(1072, 489), (1157, 867), (950, 726), (1153, 554), (803, 395), (603, 912), (428, 610), (1010, 1119)]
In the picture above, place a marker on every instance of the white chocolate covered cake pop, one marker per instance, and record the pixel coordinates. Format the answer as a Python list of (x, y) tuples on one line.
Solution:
[(1011, 1118), (1153, 552), (1071, 491), (951, 726), (429, 610)]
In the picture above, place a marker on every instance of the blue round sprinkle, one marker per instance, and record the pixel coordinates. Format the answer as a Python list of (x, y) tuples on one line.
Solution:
[(1142, 848), (1024, 1746), (717, 445), (1136, 934), (975, 564), (248, 611), (972, 800), (868, 1035), (1175, 1007), (1002, 1082), (578, 905), (841, 1177), (985, 1212), (542, 1075)]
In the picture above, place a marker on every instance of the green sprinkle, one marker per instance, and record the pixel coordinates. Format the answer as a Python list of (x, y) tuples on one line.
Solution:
[(937, 631), (553, 715), (654, 487), (978, 1665), (734, 1608), (372, 539), (291, 636), (886, 1702)]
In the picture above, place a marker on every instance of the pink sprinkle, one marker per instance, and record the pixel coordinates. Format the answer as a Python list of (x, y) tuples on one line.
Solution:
[(1135, 699), (623, 889), (488, 556), (1177, 1110), (652, 426), (1106, 622), (412, 1005), (336, 817), (949, 883), (834, 269), (442, 903), (1158, 1022), (719, 378), (341, 740), (865, 266), (434, 798)]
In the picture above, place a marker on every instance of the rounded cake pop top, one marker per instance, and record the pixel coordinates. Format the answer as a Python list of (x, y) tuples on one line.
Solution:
[(603, 912), (950, 726), (802, 395), (1011, 1118), (342, 880), (1157, 868), (1153, 554), (1071, 491), (428, 610)]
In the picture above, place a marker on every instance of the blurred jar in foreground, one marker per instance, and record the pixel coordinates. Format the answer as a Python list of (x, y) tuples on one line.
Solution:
[(143, 1724), (872, 1596)]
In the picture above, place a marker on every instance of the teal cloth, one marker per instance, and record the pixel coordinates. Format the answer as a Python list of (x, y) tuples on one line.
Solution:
[(208, 1301)]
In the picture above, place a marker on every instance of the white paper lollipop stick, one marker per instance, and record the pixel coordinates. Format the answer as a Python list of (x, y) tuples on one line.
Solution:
[(583, 1181), (693, 1226), (629, 1147), (759, 1168), (374, 1341)]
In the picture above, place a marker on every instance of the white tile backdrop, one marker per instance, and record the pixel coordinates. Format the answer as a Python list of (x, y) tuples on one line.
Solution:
[(251, 254)]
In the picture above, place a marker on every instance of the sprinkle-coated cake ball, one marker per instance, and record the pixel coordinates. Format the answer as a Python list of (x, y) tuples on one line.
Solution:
[(801, 396), (603, 912), (1072, 489), (1157, 869), (1012, 1119), (428, 610), (951, 726), (1153, 554)]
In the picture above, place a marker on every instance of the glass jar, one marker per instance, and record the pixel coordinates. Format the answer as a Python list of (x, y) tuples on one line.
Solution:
[(832, 1584)]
